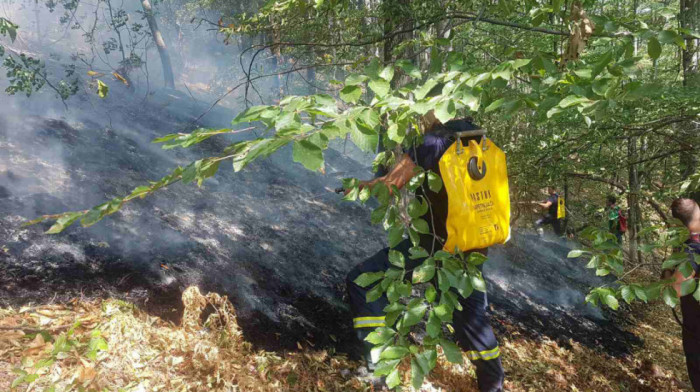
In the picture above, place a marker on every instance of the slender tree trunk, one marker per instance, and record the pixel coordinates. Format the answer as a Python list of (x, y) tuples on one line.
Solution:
[(633, 201), (160, 43), (277, 60), (116, 30), (566, 202), (690, 19)]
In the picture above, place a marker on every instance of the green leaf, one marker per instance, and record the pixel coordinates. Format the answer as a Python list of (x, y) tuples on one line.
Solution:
[(627, 294), (368, 278), (423, 107), (452, 351), (255, 113), (420, 225), (355, 79), (396, 133), (425, 89), (415, 208), (396, 258), (374, 294), (18, 381), (476, 258), (502, 74), (385, 367), (584, 73), (669, 296), (688, 286), (434, 182), (611, 301), (495, 105), (430, 293), (572, 100), (674, 260), (416, 181), (364, 194), (63, 222), (387, 73), (478, 283), (288, 122), (380, 335), (102, 89), (365, 138), (602, 63), (417, 374), (575, 253), (414, 315), (410, 69), (445, 111), (380, 87), (519, 63), (417, 252), (394, 352), (443, 312), (424, 272), (668, 37), (351, 94), (602, 272), (395, 235), (404, 289), (443, 281), (433, 327), (640, 293), (308, 154), (393, 380), (686, 269), (381, 192), (654, 48)]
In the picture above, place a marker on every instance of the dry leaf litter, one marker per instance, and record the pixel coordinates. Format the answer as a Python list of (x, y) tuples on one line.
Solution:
[(144, 353)]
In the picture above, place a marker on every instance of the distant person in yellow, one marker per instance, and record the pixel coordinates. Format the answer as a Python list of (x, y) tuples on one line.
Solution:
[(552, 213)]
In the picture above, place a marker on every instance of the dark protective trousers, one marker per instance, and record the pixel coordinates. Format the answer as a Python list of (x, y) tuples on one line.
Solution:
[(690, 309), (556, 224), (473, 331)]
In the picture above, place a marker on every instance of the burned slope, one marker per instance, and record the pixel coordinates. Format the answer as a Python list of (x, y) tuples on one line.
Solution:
[(534, 286), (270, 237)]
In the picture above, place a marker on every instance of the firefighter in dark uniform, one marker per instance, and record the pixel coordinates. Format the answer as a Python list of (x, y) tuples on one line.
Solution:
[(551, 216), (473, 331), (688, 212)]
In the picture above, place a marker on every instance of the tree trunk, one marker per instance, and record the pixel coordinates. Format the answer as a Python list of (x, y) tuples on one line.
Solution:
[(160, 43), (689, 18), (634, 217), (566, 202)]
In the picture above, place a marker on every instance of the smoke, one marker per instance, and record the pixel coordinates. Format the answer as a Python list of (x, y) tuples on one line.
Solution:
[(271, 237), (538, 270)]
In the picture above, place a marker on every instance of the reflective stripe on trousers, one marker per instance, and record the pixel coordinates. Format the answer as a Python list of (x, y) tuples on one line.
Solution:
[(484, 355), (368, 322)]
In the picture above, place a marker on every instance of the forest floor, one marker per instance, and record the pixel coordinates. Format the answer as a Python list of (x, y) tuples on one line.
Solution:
[(112, 345)]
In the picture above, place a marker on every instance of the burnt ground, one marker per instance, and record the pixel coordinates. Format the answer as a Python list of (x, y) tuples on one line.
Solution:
[(270, 237), (536, 288)]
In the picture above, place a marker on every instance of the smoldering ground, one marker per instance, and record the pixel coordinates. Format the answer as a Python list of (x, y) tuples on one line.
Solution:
[(271, 237)]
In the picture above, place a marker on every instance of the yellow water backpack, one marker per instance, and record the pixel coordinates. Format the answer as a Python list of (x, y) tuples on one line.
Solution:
[(478, 200), (561, 208)]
